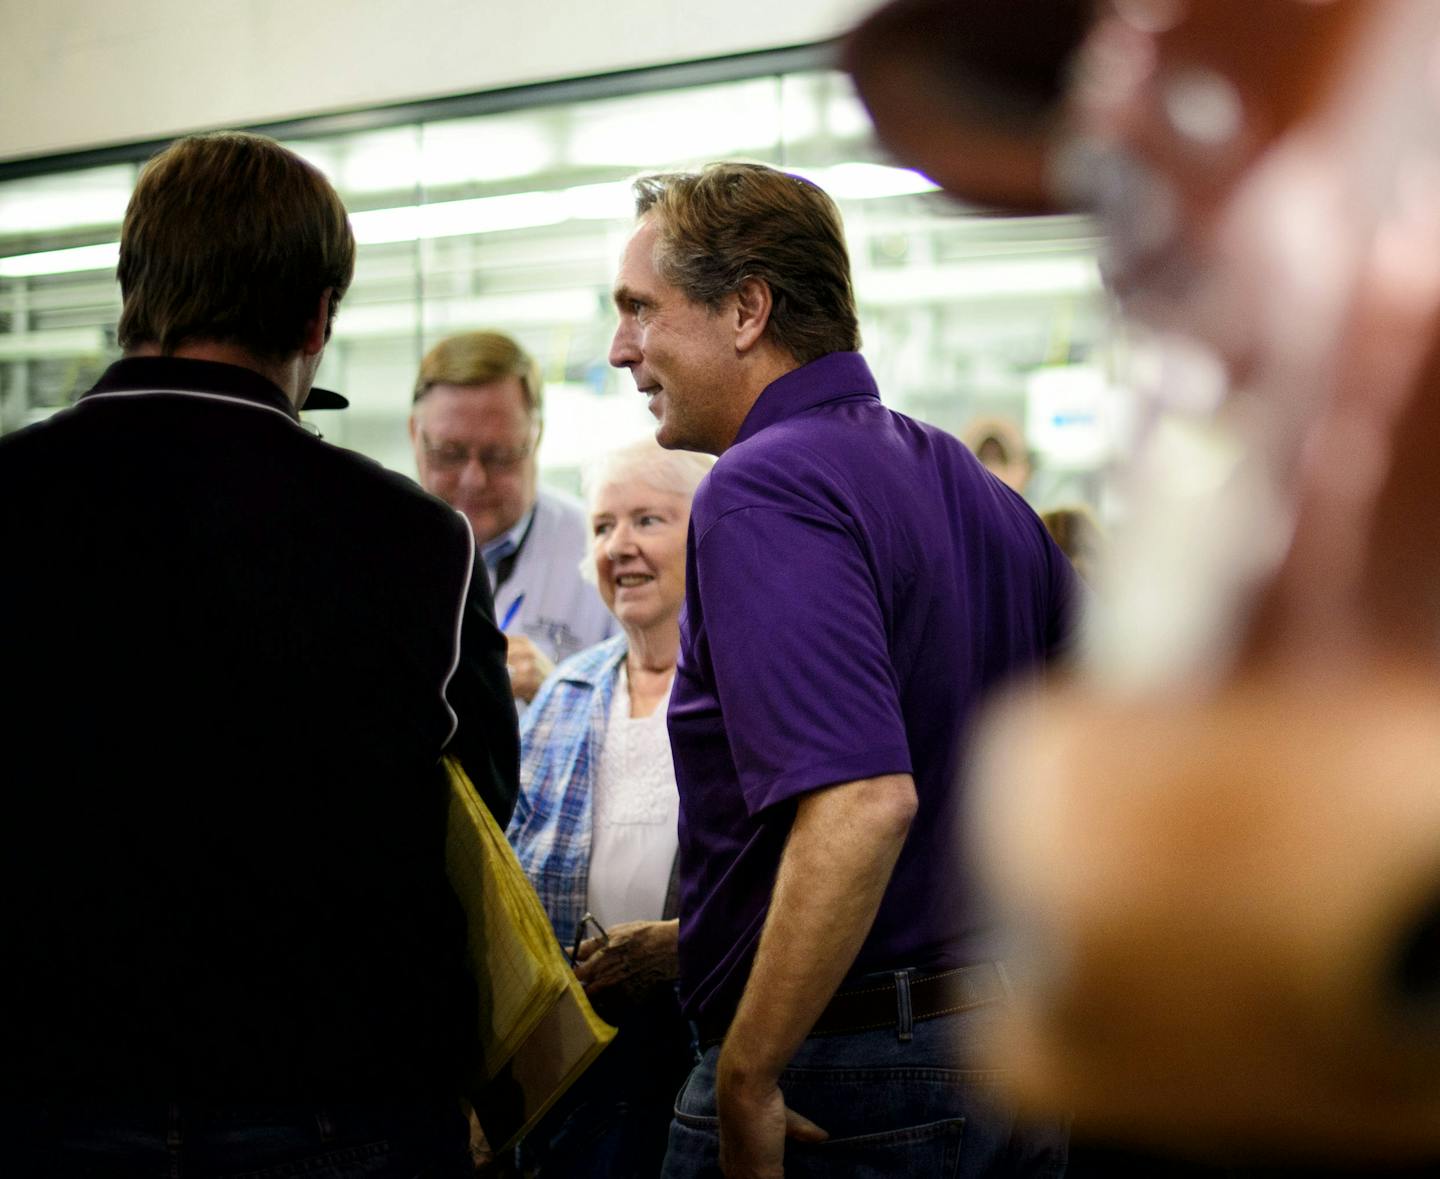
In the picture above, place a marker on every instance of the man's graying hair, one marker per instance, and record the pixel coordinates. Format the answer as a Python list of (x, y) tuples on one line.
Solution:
[(734, 221)]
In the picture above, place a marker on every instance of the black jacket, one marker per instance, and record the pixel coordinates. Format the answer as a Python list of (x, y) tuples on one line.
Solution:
[(233, 655)]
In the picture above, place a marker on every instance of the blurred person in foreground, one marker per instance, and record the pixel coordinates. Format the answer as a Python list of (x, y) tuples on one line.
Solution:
[(1218, 850), (855, 583), (476, 424), (594, 826), (236, 655)]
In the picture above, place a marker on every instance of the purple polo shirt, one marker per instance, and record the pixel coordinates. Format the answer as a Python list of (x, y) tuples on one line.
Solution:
[(856, 582)]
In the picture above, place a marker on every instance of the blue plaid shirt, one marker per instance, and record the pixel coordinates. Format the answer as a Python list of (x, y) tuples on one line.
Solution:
[(561, 736)]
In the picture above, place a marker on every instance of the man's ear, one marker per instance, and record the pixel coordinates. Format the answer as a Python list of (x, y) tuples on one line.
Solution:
[(317, 329), (752, 312)]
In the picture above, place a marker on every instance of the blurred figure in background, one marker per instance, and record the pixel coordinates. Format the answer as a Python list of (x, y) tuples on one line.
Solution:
[(999, 444), (595, 824), (1078, 534), (475, 426)]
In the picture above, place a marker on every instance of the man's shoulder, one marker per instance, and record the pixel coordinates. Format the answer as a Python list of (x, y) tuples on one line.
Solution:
[(369, 485), (559, 511), (29, 440), (810, 461), (561, 528)]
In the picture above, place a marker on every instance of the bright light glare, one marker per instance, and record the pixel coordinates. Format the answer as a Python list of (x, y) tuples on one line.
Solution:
[(101, 257), (520, 210), (863, 182), (69, 200), (512, 309), (46, 212), (707, 123), (1018, 277)]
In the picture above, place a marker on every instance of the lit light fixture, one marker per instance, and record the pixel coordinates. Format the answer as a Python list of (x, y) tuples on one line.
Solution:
[(863, 182), (518, 210), (73, 260)]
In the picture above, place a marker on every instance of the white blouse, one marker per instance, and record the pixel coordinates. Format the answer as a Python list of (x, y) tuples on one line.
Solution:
[(635, 811)]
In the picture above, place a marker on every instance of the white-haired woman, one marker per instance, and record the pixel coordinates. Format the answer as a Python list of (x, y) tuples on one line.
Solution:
[(595, 824)]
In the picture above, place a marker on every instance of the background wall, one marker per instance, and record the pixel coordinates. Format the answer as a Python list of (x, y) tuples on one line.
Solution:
[(90, 73)]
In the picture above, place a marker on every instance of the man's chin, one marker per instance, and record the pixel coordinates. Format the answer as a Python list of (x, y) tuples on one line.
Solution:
[(670, 437), (486, 528)]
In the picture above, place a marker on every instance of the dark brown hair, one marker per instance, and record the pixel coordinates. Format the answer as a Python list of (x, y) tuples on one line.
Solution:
[(231, 238), (735, 221), (477, 358)]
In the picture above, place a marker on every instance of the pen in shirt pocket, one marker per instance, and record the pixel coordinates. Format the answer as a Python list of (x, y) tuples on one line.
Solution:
[(511, 612)]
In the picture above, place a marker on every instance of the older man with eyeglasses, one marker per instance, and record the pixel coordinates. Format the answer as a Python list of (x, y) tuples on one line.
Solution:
[(476, 426)]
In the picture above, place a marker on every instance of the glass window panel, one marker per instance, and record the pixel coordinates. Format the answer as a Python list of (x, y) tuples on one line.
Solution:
[(516, 221)]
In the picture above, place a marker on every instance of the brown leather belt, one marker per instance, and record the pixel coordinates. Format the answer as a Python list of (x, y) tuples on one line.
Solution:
[(878, 1001)]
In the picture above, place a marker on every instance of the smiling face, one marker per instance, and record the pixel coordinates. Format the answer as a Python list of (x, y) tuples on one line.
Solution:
[(681, 353), (638, 546), (475, 449)]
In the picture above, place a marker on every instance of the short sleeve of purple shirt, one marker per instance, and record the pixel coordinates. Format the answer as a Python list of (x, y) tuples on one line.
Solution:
[(799, 647)]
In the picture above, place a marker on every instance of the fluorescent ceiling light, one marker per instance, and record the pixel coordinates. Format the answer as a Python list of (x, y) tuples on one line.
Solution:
[(55, 344), (977, 280), (862, 182), (47, 212), (101, 257), (519, 308), (614, 201), (491, 147), (520, 210), (70, 200), (707, 123)]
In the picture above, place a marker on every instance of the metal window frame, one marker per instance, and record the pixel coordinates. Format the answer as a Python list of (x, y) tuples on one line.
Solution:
[(641, 80)]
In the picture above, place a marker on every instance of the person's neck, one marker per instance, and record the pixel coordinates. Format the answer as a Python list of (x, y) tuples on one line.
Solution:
[(766, 365), (293, 375), (650, 666)]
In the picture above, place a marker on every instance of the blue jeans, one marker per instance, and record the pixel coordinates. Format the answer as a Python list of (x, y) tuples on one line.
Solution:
[(250, 1142), (892, 1108)]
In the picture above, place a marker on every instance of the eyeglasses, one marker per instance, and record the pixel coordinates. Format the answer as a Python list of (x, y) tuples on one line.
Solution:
[(584, 923), (451, 456)]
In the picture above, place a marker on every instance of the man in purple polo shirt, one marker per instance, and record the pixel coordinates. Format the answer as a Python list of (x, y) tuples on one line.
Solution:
[(856, 583)]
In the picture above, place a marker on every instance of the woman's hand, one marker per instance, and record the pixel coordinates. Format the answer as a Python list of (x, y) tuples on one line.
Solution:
[(637, 956), (527, 666)]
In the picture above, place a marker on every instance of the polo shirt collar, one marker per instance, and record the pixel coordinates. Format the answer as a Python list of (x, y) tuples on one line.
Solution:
[(836, 376), (182, 375), (496, 550)]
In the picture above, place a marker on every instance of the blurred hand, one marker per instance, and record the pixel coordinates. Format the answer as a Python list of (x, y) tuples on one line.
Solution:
[(527, 666), (637, 956)]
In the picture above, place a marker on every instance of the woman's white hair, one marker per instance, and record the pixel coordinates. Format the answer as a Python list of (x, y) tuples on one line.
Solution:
[(675, 471)]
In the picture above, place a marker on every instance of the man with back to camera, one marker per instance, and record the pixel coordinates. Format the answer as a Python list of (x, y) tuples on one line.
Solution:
[(237, 654), (476, 428), (855, 583)]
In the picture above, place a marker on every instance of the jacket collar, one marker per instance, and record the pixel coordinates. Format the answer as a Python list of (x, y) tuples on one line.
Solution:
[(170, 374)]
